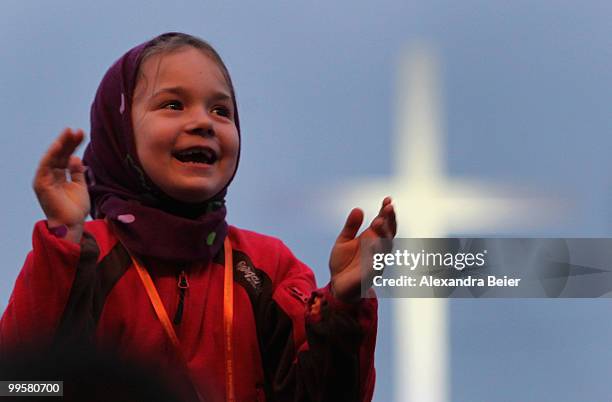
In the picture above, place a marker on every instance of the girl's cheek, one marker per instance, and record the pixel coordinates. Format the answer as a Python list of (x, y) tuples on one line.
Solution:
[(230, 144)]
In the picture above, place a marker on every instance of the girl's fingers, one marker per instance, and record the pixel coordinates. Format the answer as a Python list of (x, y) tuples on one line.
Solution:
[(386, 201), (52, 167), (58, 154), (60, 157), (390, 220), (386, 219), (376, 233), (352, 225), (384, 225), (378, 226), (382, 229), (68, 145), (47, 159), (52, 156)]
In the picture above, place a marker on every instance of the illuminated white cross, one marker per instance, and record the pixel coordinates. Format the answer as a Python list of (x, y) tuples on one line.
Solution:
[(429, 204)]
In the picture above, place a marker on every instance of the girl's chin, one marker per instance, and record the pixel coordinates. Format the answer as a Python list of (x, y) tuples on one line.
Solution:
[(196, 193)]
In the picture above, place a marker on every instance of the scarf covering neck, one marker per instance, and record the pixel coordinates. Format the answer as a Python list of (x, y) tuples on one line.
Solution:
[(147, 221)]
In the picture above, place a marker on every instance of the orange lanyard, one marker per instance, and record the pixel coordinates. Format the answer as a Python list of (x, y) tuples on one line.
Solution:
[(228, 315)]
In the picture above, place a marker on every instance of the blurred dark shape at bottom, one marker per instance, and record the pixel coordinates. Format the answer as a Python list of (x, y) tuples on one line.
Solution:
[(89, 375)]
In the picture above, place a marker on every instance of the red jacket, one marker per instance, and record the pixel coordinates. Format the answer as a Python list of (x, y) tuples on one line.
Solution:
[(292, 342)]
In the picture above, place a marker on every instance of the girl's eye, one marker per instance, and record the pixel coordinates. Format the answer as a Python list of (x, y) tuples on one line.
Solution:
[(221, 111), (173, 105)]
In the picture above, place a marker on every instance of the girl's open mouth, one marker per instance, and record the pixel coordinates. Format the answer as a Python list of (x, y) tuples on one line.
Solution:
[(202, 155)]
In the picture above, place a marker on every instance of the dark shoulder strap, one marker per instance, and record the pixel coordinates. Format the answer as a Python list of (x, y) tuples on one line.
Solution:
[(92, 283)]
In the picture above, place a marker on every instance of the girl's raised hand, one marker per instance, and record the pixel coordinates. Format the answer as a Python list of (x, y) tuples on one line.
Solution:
[(345, 260), (64, 202)]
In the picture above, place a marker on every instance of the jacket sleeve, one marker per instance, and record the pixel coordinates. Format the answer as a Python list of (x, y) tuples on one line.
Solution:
[(316, 348), (40, 293)]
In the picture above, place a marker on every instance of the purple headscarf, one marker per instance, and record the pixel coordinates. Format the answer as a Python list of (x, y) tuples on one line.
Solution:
[(148, 222)]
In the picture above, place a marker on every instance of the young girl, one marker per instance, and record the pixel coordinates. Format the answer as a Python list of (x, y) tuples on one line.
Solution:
[(158, 276)]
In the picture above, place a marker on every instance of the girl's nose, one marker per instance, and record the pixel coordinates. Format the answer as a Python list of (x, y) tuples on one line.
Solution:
[(200, 124)]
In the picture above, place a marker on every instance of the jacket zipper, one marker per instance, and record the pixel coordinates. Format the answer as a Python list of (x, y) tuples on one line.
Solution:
[(183, 285)]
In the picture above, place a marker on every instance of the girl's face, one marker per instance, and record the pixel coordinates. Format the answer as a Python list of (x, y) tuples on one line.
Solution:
[(183, 116)]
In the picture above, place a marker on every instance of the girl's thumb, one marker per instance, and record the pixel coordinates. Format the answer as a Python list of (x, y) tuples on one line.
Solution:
[(77, 170)]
